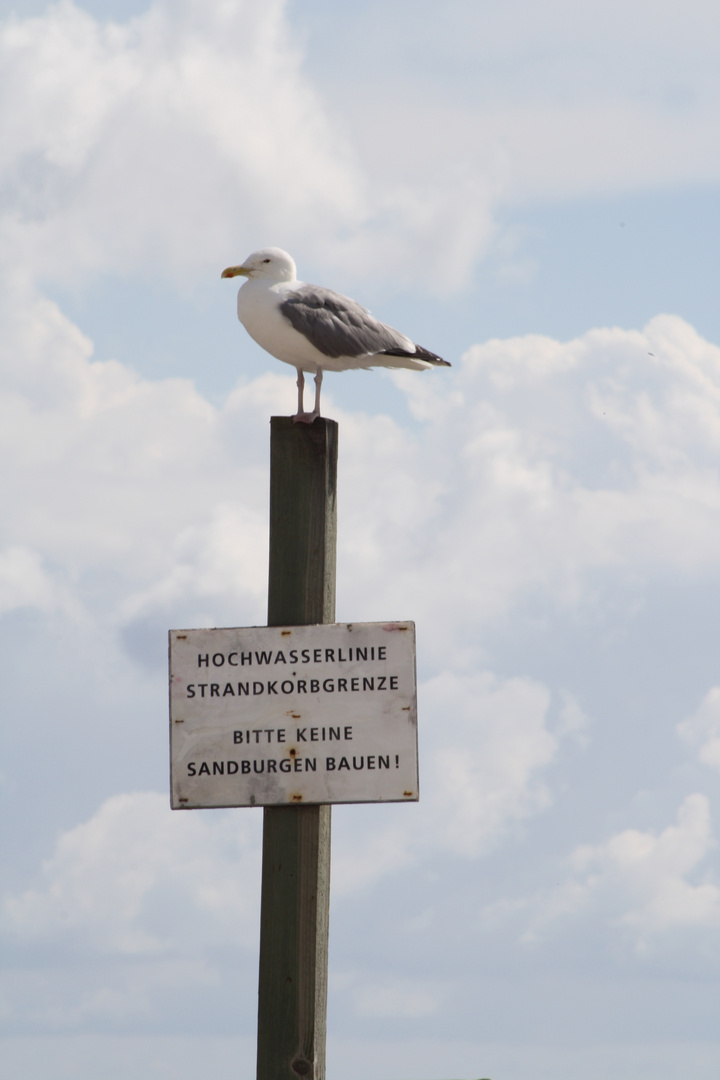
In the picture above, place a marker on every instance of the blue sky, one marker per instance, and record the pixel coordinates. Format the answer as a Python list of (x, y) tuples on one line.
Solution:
[(532, 192)]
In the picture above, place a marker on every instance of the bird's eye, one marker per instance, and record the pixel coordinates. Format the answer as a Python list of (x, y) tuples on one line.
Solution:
[(266, 260)]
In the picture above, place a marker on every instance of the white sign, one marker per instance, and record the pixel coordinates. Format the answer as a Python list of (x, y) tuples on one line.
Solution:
[(269, 715)]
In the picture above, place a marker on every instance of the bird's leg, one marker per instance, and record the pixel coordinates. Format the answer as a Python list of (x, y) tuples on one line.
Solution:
[(308, 417), (301, 390), (318, 384)]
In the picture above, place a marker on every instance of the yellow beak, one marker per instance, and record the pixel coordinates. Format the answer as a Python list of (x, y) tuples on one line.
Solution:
[(234, 271)]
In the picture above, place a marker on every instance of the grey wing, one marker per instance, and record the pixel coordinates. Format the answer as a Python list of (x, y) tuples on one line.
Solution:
[(338, 326)]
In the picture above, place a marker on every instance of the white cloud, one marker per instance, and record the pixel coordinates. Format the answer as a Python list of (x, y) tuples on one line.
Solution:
[(123, 882), (127, 881), (119, 478), (190, 134), (562, 476), (642, 884), (24, 582), (163, 139), (179, 139), (539, 467), (702, 729), (535, 467), (485, 747)]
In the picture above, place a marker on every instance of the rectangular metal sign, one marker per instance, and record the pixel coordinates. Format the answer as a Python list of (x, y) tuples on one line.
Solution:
[(270, 715)]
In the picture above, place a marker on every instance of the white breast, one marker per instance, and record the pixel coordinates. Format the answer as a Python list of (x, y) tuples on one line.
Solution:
[(258, 311)]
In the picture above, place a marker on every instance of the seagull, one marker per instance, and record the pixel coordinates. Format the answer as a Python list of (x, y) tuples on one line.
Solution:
[(313, 328)]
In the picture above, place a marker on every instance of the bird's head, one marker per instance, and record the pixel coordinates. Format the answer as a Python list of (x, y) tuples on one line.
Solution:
[(272, 264)]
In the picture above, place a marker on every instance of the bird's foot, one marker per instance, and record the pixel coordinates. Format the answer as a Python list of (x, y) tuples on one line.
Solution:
[(305, 417)]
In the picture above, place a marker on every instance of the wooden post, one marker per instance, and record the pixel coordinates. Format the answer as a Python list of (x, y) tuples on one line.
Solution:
[(292, 994)]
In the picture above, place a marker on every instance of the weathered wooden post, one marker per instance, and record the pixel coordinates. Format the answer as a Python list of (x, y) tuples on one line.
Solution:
[(295, 716), (292, 992)]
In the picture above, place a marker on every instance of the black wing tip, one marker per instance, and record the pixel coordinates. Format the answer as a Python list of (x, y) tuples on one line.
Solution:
[(419, 354)]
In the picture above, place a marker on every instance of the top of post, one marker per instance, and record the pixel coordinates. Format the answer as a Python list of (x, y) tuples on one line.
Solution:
[(303, 521)]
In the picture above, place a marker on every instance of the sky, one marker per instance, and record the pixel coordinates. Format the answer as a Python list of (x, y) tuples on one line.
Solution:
[(533, 192)]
